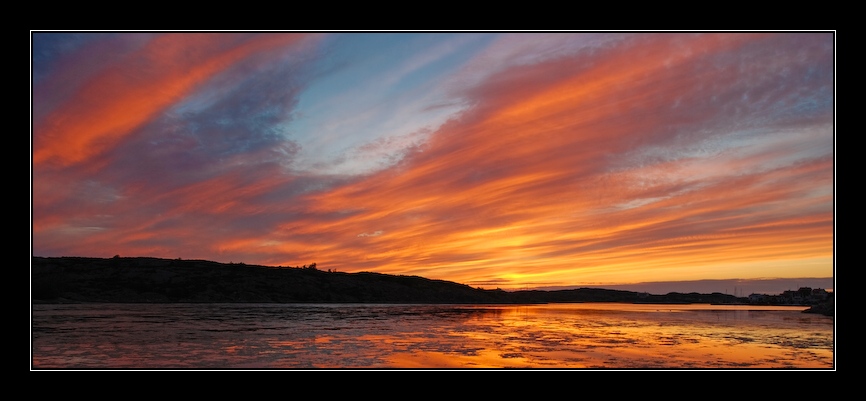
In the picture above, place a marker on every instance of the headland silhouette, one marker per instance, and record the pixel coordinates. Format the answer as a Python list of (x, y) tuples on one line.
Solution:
[(159, 280)]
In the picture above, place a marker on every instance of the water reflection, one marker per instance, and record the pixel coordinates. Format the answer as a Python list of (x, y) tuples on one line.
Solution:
[(604, 336)]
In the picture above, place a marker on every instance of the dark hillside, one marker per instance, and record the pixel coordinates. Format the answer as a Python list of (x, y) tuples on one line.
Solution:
[(74, 279), (141, 279)]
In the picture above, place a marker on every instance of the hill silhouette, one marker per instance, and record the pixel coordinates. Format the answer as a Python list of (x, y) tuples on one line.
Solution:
[(156, 280)]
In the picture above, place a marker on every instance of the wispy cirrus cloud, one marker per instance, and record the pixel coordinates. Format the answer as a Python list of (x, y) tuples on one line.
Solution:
[(575, 158), (620, 162)]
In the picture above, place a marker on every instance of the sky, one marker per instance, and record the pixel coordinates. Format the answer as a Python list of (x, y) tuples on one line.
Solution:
[(505, 160)]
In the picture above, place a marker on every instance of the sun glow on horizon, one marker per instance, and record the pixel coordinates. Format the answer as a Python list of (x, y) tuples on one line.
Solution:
[(579, 158)]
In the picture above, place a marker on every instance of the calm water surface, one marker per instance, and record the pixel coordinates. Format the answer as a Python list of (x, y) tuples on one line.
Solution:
[(350, 336)]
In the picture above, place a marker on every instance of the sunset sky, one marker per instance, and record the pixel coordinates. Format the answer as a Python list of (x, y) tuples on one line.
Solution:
[(498, 160)]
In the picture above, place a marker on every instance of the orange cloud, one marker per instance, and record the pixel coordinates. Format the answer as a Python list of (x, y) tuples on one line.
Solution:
[(666, 157), (116, 101), (525, 189)]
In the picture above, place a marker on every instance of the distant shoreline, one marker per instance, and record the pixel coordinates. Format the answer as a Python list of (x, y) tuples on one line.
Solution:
[(156, 280)]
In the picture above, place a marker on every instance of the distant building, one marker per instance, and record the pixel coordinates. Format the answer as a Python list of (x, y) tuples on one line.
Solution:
[(820, 294), (758, 298), (802, 296)]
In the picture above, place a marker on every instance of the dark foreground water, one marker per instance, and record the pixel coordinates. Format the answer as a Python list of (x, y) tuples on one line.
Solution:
[(343, 336)]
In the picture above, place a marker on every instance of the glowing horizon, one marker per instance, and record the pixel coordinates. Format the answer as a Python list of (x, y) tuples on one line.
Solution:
[(499, 160)]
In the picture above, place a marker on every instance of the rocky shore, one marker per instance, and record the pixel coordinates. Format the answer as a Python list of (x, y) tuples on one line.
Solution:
[(824, 308)]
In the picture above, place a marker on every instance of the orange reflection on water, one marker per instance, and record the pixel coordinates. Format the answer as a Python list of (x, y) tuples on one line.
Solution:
[(633, 336), (441, 360), (599, 336), (662, 336), (574, 336)]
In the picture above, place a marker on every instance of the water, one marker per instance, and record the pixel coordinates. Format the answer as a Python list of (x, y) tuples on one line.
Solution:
[(349, 336)]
